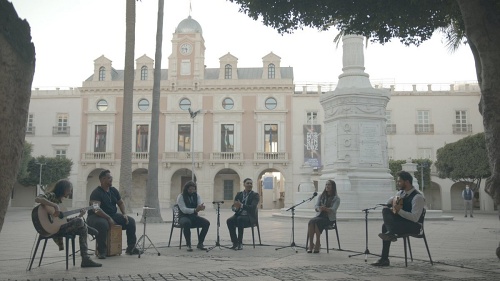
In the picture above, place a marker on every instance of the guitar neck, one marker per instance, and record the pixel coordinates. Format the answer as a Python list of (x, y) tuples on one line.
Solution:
[(69, 213)]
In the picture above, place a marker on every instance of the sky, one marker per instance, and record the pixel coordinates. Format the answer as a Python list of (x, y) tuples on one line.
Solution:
[(70, 34)]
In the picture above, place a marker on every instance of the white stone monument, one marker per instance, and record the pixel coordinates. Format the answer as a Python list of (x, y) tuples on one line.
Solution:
[(355, 150)]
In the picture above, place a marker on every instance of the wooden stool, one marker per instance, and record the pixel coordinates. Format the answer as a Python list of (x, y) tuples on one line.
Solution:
[(113, 241)]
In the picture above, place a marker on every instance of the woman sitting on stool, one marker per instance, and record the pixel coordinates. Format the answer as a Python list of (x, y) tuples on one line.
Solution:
[(326, 213)]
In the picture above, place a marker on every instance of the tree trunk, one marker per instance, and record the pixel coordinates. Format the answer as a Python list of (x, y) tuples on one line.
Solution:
[(17, 67), (482, 26), (152, 199), (128, 94)]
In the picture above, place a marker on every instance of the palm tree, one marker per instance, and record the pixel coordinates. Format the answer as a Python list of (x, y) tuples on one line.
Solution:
[(128, 91), (152, 184), (17, 67)]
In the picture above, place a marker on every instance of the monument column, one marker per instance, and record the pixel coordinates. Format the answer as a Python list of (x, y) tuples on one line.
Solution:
[(355, 134)]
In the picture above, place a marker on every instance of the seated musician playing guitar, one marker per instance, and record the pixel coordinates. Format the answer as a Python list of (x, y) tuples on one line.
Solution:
[(245, 203), (50, 202), (402, 215)]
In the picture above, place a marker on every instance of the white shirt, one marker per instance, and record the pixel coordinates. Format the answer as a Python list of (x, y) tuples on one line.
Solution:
[(417, 205), (182, 204)]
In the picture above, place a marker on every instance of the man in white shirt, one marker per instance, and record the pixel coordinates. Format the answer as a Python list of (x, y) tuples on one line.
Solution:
[(402, 217)]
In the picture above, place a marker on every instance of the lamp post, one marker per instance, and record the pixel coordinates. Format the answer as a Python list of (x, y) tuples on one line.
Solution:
[(192, 114), (39, 187)]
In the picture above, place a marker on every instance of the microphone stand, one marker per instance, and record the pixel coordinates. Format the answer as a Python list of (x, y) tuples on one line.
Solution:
[(293, 245), (366, 252), (144, 235), (217, 243)]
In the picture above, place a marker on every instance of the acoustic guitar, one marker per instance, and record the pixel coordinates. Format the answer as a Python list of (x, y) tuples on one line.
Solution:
[(397, 201), (47, 224)]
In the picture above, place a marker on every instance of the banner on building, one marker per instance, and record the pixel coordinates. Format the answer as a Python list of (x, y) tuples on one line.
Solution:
[(312, 145)]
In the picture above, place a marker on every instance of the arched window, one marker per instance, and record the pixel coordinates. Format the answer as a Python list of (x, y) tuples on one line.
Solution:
[(228, 72), (102, 73), (271, 71), (144, 73)]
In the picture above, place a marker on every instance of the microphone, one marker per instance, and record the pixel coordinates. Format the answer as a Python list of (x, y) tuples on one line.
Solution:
[(218, 202), (314, 195), (385, 205)]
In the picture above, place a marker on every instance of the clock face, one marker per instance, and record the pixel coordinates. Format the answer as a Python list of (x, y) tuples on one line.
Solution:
[(186, 49)]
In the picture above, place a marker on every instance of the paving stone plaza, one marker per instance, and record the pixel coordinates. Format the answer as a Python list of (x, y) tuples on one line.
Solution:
[(462, 249)]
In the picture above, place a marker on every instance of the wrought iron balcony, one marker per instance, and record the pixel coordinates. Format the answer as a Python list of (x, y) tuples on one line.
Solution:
[(30, 131), (459, 129), (424, 129), (390, 129), (60, 130)]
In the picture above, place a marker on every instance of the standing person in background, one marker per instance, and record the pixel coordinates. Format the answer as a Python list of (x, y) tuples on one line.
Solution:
[(468, 195), (77, 226), (244, 207), (326, 213), (107, 196), (190, 204)]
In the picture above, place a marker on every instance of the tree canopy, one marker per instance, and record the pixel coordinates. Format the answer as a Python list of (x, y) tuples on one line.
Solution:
[(381, 20), (464, 160), (53, 170)]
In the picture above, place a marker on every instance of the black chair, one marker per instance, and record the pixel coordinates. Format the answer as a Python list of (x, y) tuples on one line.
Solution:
[(175, 224), (331, 226), (256, 224), (406, 238), (46, 238)]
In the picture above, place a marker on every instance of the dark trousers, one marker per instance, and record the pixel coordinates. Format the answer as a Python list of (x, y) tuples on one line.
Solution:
[(102, 225), (237, 221), (188, 222), (397, 225)]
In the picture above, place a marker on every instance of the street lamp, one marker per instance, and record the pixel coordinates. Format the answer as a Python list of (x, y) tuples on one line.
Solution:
[(40, 177), (192, 114)]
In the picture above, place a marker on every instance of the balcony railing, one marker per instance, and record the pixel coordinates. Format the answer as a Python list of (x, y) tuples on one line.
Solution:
[(223, 156), (90, 156), (270, 156), (390, 129), (424, 129), (60, 130), (30, 131), (140, 156), (462, 129), (182, 156)]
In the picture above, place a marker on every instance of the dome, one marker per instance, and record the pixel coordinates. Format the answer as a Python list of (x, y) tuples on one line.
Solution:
[(188, 25)]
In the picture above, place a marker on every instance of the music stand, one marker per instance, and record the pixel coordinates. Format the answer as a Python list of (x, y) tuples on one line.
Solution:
[(293, 245), (217, 243), (144, 236), (366, 252)]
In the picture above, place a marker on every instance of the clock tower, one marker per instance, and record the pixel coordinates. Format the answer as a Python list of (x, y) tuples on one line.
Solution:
[(187, 61)]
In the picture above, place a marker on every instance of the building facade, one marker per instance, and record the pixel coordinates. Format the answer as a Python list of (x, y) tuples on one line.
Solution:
[(252, 122)]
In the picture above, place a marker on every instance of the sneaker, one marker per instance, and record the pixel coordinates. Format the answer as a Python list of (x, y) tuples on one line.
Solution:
[(132, 251), (201, 247), (382, 262), (240, 246), (234, 247), (87, 262), (189, 249)]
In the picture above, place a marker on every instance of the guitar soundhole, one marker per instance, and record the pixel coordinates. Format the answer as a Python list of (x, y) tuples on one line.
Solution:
[(50, 218)]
